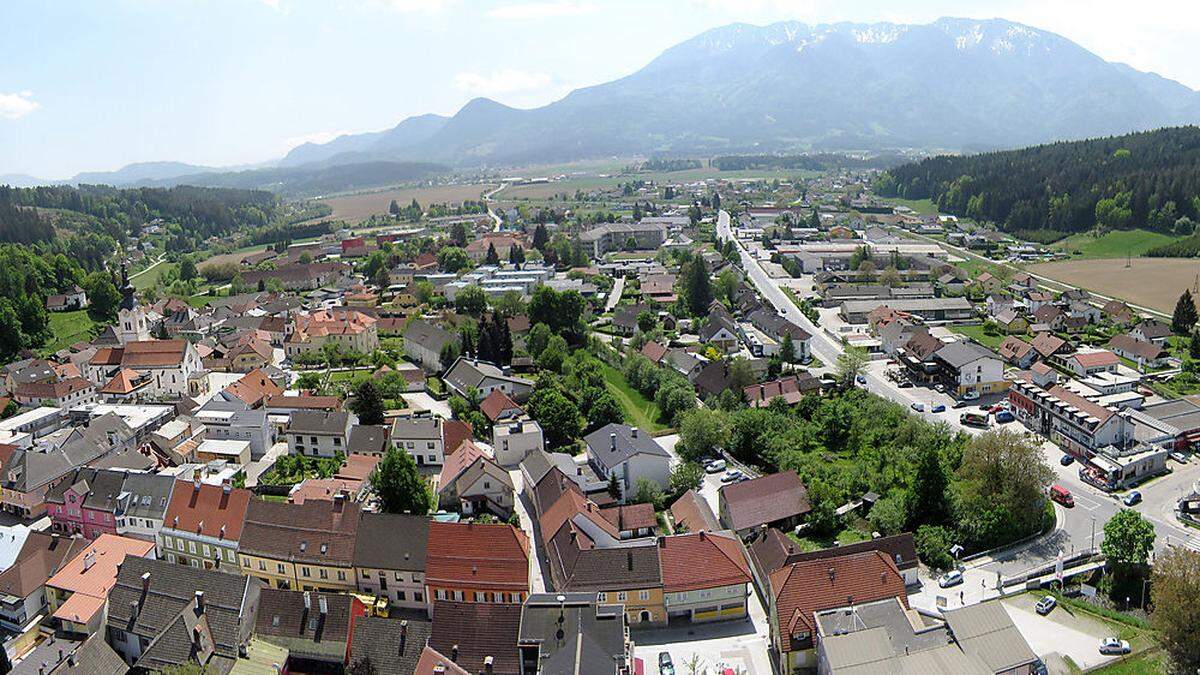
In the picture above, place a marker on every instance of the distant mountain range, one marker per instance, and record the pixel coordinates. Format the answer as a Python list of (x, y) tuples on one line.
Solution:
[(951, 85)]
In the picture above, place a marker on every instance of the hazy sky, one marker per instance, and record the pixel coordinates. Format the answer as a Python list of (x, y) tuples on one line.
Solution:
[(95, 84)]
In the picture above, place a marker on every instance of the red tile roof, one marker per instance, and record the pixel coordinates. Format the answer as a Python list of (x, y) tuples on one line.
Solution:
[(222, 515), (654, 351), (254, 388), (765, 499), (1095, 359), (702, 560), (496, 404), (804, 588), (153, 353), (454, 432), (474, 556)]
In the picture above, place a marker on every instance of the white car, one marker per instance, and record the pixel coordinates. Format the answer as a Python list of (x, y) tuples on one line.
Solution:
[(970, 395), (1112, 645), (715, 466), (951, 578), (731, 476)]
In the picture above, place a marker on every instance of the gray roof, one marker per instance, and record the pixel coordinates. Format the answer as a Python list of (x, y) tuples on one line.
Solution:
[(147, 495), (470, 373), (168, 604), (392, 541), (592, 638), (416, 429), (318, 422), (391, 648), (367, 439), (963, 352), (985, 630), (613, 444), (59, 656), (429, 335)]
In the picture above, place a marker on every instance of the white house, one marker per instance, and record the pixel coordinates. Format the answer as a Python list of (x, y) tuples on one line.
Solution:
[(166, 368), (513, 440), (629, 454), (318, 433)]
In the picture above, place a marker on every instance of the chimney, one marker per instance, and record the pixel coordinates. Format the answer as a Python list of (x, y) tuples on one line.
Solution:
[(145, 582), (662, 542), (832, 575), (454, 653), (612, 441), (226, 486), (199, 602), (196, 481), (487, 665), (89, 559), (633, 431), (629, 559), (701, 535), (403, 634)]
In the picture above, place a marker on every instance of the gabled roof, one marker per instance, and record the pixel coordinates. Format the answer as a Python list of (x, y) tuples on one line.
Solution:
[(316, 531), (307, 631), (41, 556), (366, 439), (1048, 344), (253, 388), (207, 510), (478, 630), (702, 560), (484, 557), (393, 646), (1013, 347), (801, 589), (318, 422), (765, 499), (393, 541), (654, 351), (1095, 359), (963, 353), (693, 513), (1147, 351), (986, 630), (613, 444), (497, 404)]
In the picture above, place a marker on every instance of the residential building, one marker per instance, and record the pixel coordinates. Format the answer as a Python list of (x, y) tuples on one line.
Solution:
[(142, 505), (776, 500), (395, 647), (967, 366), (318, 434), (468, 377), (790, 388), (573, 633), (1090, 361), (1151, 331), (389, 558), (514, 439), (85, 502), (629, 454), (236, 453), (231, 421), (421, 437), (476, 564), (162, 615), (425, 343), (1078, 425), (23, 583), (1017, 352), (203, 524), (472, 483), (308, 546), (645, 235), (77, 594), (796, 593), (65, 393), (315, 628), (1144, 353), (691, 513), (348, 329), (498, 406), (771, 549), (705, 576), (476, 637)]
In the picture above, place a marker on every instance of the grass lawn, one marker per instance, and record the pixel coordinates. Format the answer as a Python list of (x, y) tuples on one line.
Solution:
[(1146, 663), (639, 411), (925, 207), (1114, 244), (67, 328), (979, 335), (151, 277)]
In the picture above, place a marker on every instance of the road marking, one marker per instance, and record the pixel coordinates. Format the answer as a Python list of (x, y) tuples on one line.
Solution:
[(1084, 501)]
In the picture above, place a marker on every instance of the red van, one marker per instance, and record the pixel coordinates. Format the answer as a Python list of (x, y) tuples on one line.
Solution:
[(1062, 495)]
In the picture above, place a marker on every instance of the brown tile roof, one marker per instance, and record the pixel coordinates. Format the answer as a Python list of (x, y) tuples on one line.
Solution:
[(454, 432), (40, 557), (478, 630), (923, 344), (801, 589), (254, 387), (627, 517), (153, 353), (54, 390), (693, 512), (316, 531), (126, 381), (433, 662), (1013, 347), (791, 389), (702, 560), (207, 510), (1147, 351), (654, 351), (572, 503), (283, 619), (357, 467), (496, 404), (1047, 344), (774, 549), (1096, 358), (765, 499), (484, 557)]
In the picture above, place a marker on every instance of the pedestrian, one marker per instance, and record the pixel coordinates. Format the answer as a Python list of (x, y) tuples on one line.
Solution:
[(960, 598)]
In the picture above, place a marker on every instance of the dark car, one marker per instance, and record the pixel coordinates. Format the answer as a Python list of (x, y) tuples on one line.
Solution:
[(665, 665), (1066, 460), (1132, 498), (938, 408)]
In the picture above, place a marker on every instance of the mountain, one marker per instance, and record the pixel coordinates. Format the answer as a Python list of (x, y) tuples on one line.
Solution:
[(139, 172), (954, 84), (360, 147), (309, 180), (21, 180)]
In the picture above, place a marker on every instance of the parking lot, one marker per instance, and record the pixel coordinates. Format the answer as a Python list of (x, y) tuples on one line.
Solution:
[(737, 645)]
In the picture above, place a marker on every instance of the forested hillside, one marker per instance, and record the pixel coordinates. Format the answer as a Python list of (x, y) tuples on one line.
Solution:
[(1149, 180)]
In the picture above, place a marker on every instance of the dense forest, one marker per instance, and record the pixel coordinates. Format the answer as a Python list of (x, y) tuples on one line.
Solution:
[(1149, 180), (307, 181)]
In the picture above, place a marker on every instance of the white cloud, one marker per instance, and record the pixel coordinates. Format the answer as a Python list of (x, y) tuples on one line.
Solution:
[(318, 137), (507, 81), (543, 10), (17, 105)]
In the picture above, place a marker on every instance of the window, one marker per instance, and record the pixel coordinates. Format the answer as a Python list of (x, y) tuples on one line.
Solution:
[(207, 551), (433, 459), (478, 596), (262, 565), (337, 441), (192, 547), (602, 597), (622, 596), (304, 572), (281, 568), (417, 596), (428, 446), (341, 575), (245, 562), (643, 595), (400, 596), (458, 595), (324, 573)]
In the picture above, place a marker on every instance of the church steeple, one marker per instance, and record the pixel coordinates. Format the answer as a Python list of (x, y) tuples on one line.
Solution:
[(128, 292)]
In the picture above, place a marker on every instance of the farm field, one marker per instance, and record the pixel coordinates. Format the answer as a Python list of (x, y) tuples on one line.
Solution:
[(1113, 244), (1150, 282), (358, 207), (569, 185)]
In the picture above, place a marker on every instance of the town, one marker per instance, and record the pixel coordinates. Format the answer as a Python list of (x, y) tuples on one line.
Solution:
[(712, 432)]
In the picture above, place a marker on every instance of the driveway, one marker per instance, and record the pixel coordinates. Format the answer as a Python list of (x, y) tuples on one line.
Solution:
[(1063, 631), (740, 645), (423, 401)]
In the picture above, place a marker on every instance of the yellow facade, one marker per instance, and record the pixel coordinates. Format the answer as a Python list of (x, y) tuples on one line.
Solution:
[(642, 605), (470, 594), (298, 576)]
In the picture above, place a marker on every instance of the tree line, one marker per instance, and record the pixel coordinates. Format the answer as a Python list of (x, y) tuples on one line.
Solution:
[(1149, 179)]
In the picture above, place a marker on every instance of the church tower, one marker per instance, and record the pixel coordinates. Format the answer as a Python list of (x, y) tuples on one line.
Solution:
[(132, 324)]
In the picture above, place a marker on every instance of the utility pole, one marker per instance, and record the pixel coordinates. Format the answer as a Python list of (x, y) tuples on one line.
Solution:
[(1093, 535)]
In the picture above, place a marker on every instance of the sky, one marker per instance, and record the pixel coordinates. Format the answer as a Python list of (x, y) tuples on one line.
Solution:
[(96, 84)]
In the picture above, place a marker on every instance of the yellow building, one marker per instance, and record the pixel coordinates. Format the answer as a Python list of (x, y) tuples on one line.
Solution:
[(303, 547)]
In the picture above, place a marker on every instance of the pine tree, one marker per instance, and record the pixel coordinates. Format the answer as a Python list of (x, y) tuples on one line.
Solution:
[(492, 258), (368, 403), (486, 349), (504, 344), (698, 288), (1184, 317), (540, 237)]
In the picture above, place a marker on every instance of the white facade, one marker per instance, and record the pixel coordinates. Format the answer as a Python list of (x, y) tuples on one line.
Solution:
[(403, 588), (513, 441)]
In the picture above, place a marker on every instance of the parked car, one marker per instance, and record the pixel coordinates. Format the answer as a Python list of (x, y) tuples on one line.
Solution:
[(1112, 645), (1179, 457), (973, 419), (904, 384), (1046, 605), (951, 578), (715, 466), (919, 407), (731, 476), (970, 395), (1061, 495), (938, 408), (958, 405), (1004, 417), (665, 665), (939, 388), (997, 408), (1066, 460), (1132, 498), (860, 378)]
